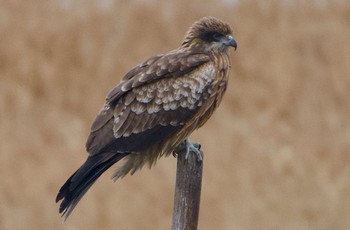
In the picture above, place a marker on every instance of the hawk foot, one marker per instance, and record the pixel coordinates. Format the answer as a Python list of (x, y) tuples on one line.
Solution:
[(190, 147)]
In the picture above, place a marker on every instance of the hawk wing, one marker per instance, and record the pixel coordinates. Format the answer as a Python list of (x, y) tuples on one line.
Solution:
[(153, 101)]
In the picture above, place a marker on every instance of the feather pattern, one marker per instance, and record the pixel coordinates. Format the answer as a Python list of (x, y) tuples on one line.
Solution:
[(157, 105)]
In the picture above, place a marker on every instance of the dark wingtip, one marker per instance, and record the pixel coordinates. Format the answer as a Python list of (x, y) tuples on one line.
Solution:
[(64, 195), (64, 190), (80, 182), (59, 196)]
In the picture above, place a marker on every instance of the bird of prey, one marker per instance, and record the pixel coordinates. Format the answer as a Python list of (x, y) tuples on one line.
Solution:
[(155, 108)]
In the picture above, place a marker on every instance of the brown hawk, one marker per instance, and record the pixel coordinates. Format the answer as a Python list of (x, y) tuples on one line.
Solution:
[(155, 107)]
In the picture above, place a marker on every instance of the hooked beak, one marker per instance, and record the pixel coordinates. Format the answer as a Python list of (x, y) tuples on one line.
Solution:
[(230, 41)]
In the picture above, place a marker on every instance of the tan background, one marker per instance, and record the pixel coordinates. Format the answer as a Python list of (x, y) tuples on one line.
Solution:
[(277, 152)]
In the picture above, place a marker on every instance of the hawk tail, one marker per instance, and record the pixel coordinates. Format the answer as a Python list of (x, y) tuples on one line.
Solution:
[(80, 182)]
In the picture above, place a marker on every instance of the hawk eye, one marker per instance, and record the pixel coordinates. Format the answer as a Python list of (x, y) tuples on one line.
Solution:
[(211, 36), (216, 36)]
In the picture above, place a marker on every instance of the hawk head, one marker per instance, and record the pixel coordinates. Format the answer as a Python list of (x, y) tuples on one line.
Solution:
[(209, 34)]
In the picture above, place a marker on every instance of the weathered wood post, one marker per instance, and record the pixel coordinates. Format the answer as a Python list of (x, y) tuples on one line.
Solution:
[(187, 191)]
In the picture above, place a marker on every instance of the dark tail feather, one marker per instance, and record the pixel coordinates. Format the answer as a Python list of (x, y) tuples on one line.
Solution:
[(78, 184)]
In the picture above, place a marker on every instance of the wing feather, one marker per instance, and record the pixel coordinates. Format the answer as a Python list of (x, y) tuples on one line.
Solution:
[(145, 118), (135, 126), (144, 108), (124, 130), (119, 121), (178, 62)]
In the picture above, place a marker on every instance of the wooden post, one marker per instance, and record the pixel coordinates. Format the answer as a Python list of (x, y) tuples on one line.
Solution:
[(187, 192)]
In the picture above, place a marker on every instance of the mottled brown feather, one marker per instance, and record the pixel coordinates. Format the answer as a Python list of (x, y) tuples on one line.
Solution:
[(157, 105), (147, 72), (116, 96)]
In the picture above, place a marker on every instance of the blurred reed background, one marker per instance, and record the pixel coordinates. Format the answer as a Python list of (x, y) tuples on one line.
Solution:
[(277, 152)]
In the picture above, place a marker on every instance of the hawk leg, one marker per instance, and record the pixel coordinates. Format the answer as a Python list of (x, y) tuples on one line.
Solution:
[(190, 147)]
